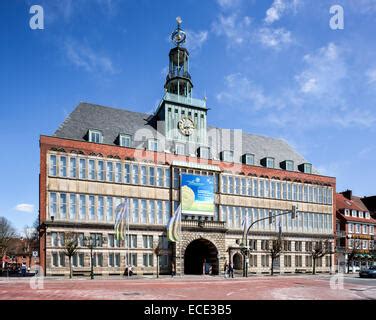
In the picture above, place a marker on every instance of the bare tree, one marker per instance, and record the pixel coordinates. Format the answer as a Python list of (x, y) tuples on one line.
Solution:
[(319, 250), (70, 248), (275, 252), (7, 234), (30, 240)]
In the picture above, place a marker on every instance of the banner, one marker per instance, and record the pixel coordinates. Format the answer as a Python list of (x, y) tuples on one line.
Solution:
[(121, 220), (174, 225), (197, 194)]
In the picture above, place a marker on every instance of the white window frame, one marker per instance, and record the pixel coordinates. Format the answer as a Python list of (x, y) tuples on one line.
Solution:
[(122, 138), (153, 145), (93, 133)]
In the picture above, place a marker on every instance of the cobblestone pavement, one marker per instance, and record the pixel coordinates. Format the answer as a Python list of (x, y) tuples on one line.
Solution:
[(191, 288)]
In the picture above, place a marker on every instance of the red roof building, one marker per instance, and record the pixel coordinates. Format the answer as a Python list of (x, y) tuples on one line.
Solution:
[(355, 232)]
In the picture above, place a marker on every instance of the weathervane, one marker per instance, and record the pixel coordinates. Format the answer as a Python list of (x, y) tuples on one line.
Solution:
[(178, 36)]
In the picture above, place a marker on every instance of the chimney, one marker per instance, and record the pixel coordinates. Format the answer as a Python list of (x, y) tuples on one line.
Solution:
[(347, 194)]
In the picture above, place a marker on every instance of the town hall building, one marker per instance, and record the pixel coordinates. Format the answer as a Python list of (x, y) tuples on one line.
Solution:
[(100, 156)]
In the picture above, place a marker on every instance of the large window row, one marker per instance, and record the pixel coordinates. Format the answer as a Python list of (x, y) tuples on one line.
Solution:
[(275, 189), (305, 221), (111, 260), (82, 207), (109, 171)]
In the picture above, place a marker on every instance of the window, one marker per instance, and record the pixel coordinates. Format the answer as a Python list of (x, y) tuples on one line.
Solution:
[(117, 260), (125, 140), (270, 162), (127, 173), (264, 261), (354, 213), (63, 166), (224, 184), (91, 169), (347, 212), (147, 241), (307, 168), (357, 228), (151, 212), (160, 177), (110, 171), (63, 205), (54, 239), (143, 175), (180, 148), (153, 144), (91, 208), (55, 259), (249, 159), (100, 208), (167, 178), (109, 209), (367, 216), (73, 168), (361, 214), (135, 174), (132, 240), (143, 212), (289, 165), (134, 259), (135, 214), (118, 172), (72, 206), (148, 259), (82, 207), (101, 170), (53, 204), (287, 260), (228, 156), (82, 173), (152, 176), (159, 212), (365, 229), (53, 165), (351, 230), (95, 136), (204, 153)]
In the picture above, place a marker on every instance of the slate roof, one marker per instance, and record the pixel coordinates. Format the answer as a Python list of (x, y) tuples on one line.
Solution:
[(111, 122)]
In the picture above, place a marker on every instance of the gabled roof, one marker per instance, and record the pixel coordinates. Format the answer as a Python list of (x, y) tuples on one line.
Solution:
[(111, 122), (354, 204)]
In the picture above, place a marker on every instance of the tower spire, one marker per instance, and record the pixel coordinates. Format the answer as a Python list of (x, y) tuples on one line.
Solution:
[(178, 80)]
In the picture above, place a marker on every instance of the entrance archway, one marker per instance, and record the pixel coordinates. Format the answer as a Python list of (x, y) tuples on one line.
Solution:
[(237, 261), (200, 256)]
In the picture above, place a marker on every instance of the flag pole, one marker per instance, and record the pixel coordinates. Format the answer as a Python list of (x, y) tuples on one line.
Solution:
[(180, 247)]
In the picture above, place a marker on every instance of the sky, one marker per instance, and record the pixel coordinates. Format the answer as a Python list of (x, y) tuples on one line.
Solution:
[(268, 67)]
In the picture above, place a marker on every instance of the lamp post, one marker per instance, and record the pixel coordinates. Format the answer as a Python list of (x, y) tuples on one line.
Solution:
[(245, 248), (92, 242)]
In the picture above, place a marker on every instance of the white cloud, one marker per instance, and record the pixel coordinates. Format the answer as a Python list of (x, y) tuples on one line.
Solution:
[(240, 90), (274, 38), (279, 8), (24, 207), (81, 55), (195, 40), (371, 76), (227, 4), (234, 28)]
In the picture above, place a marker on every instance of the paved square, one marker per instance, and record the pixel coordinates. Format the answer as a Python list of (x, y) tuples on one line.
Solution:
[(192, 288)]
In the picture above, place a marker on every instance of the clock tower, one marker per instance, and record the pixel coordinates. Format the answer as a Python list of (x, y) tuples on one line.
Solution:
[(183, 116)]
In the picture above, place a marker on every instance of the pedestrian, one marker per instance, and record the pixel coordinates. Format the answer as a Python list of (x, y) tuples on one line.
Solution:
[(225, 269), (173, 269), (23, 269), (231, 270)]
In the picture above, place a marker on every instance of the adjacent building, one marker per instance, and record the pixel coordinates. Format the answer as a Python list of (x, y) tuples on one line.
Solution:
[(355, 232), (100, 155)]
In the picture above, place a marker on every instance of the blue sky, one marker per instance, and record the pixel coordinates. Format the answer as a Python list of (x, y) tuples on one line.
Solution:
[(270, 67)]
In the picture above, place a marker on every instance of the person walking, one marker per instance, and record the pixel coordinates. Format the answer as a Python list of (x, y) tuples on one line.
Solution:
[(23, 269), (173, 270), (231, 270), (225, 269)]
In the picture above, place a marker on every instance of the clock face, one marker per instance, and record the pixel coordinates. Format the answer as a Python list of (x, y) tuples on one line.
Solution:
[(186, 126)]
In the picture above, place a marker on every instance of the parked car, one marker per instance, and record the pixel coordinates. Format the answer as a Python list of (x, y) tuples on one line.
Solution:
[(354, 269), (368, 273)]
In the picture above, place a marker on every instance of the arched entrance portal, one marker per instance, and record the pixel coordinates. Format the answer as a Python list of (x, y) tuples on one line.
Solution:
[(237, 260), (200, 256)]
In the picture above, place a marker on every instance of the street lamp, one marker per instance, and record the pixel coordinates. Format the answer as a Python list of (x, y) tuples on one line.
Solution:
[(92, 242), (245, 248)]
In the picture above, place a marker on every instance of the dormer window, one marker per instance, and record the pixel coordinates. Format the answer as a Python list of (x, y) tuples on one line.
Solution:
[(354, 213), (347, 212), (361, 214), (367, 216), (306, 168), (153, 144), (125, 140), (95, 136), (249, 159), (268, 162), (228, 156), (180, 149), (204, 152), (287, 165)]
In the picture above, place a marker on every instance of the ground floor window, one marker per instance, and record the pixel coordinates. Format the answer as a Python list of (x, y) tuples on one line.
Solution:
[(298, 261), (114, 260), (287, 260), (308, 261), (265, 261), (253, 260), (148, 260)]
